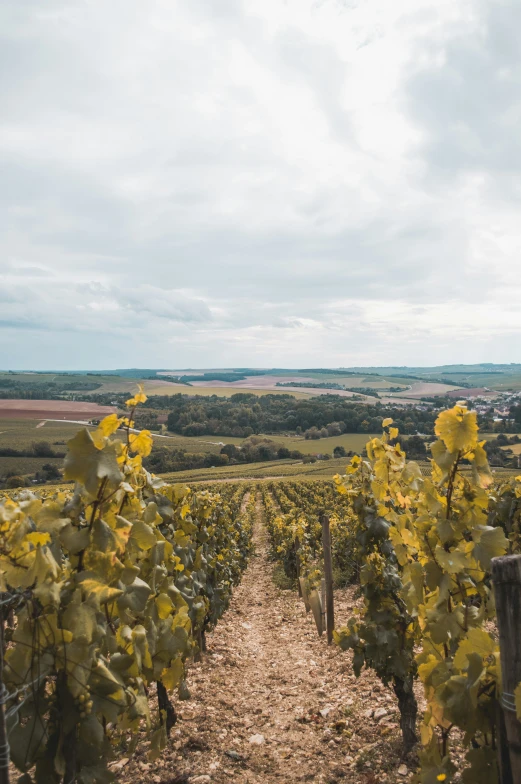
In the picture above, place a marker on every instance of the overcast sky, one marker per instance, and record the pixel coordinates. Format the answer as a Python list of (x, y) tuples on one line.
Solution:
[(205, 183)]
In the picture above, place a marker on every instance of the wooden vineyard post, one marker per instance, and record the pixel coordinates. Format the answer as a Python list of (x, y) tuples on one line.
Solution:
[(297, 565), (506, 577), (4, 743), (304, 593), (328, 576), (323, 601), (316, 608)]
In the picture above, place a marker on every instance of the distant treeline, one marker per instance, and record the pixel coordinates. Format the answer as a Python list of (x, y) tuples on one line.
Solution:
[(229, 377), (361, 372), (42, 390), (311, 384), (255, 450), (472, 373), (497, 456), (232, 375), (367, 391), (245, 414), (515, 413), (164, 460), (37, 449), (333, 372), (370, 391)]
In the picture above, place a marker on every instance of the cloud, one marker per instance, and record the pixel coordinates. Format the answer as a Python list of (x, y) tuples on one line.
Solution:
[(167, 304), (88, 307), (467, 95), (258, 182)]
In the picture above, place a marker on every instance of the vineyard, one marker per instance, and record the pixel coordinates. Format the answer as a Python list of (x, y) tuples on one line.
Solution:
[(108, 592), (421, 549), (132, 650)]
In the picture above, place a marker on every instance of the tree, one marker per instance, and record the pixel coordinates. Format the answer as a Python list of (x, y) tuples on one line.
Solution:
[(334, 429), (230, 450), (415, 448), (42, 449), (51, 471), (15, 481)]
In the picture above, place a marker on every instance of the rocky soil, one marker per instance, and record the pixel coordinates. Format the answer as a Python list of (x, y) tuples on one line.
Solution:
[(272, 702)]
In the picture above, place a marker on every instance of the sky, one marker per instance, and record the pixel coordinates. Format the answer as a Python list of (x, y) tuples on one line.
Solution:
[(288, 183)]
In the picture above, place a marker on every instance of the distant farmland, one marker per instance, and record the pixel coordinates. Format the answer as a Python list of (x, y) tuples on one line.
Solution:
[(52, 409)]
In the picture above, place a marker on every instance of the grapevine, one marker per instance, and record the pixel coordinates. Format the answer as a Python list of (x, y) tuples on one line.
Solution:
[(443, 547), (112, 586), (383, 635)]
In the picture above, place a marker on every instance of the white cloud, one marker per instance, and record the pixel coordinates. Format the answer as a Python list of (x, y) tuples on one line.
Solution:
[(263, 182)]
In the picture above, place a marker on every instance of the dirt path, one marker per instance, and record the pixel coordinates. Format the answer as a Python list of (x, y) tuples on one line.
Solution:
[(271, 702)]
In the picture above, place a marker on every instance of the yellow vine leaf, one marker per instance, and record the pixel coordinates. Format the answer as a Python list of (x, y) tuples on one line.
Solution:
[(143, 534), (404, 501), (171, 676), (139, 397), (489, 543), (109, 425), (164, 605), (87, 464), (141, 443), (100, 593), (476, 641), (457, 428), (37, 538)]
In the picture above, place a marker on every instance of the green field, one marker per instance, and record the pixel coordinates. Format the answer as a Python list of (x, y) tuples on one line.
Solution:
[(354, 442), (276, 468), (514, 448), (24, 466), (21, 433)]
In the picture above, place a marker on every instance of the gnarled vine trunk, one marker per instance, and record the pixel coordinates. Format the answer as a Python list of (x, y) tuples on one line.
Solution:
[(408, 711), (164, 704)]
